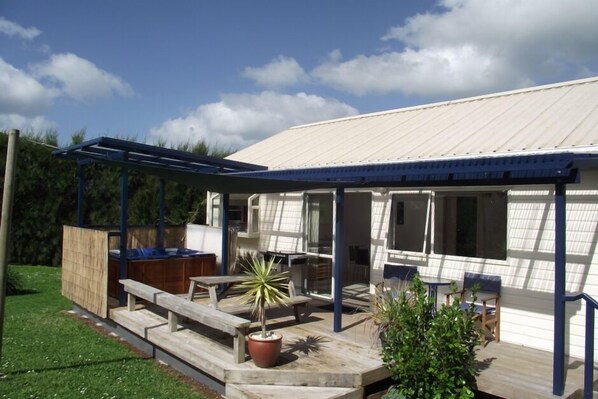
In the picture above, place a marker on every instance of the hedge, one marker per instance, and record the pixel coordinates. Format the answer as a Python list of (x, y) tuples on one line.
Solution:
[(46, 197)]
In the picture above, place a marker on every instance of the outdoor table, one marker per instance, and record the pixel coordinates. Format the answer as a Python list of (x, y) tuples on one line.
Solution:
[(433, 283), (211, 283)]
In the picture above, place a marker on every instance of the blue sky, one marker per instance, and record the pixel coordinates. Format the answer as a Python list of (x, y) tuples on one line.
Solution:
[(235, 72)]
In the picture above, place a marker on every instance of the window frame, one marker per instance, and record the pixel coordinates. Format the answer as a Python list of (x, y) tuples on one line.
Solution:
[(427, 245), (470, 192), (215, 218), (306, 220)]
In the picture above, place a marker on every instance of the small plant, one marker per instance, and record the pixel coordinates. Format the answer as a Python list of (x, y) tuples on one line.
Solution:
[(430, 354), (385, 309), (264, 286)]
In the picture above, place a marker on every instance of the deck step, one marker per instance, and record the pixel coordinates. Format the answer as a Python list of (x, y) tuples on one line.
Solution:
[(247, 391)]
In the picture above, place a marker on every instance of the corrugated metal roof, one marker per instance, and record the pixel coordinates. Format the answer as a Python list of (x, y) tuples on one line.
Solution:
[(541, 119)]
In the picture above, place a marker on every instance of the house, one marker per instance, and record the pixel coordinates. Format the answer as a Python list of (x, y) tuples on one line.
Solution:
[(472, 208), (504, 185)]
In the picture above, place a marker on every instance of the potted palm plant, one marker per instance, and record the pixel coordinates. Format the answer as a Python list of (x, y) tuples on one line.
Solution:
[(265, 286)]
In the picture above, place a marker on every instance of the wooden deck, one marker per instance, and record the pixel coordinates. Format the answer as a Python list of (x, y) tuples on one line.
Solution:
[(317, 363)]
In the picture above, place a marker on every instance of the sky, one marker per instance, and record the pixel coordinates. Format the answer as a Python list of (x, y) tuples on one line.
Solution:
[(233, 72)]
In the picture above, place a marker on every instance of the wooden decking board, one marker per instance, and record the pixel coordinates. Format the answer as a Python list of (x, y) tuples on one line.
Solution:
[(315, 356), (276, 376), (516, 371), (248, 391)]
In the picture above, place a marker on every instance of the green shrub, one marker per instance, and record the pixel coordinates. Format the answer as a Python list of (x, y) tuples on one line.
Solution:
[(430, 354), (14, 282), (45, 196)]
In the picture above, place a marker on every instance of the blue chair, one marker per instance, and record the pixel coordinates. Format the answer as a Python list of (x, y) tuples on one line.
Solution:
[(487, 306), (396, 278)]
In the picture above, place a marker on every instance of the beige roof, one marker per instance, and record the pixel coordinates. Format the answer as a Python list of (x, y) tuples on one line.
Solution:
[(561, 116)]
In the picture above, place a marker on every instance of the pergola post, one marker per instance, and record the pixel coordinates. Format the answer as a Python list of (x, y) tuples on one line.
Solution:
[(80, 194), (225, 240), (560, 259), (339, 245), (160, 235), (124, 205)]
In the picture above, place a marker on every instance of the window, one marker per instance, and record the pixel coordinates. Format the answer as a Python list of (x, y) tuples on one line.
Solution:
[(243, 213), (319, 221), (471, 224), (253, 218), (214, 210), (410, 223)]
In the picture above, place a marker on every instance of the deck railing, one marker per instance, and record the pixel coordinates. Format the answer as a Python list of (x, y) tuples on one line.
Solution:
[(588, 373)]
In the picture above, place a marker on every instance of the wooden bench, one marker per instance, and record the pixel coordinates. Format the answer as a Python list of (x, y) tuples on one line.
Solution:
[(180, 307)]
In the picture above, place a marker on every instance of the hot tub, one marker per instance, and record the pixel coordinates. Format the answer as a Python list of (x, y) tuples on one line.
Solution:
[(167, 269)]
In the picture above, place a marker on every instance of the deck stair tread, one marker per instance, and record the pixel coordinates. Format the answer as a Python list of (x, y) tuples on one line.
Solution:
[(248, 391)]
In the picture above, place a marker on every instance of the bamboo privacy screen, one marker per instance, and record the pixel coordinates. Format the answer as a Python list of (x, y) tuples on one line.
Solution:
[(85, 261), (84, 268)]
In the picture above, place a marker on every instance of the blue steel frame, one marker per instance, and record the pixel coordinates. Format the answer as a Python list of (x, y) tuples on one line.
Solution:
[(339, 240), (559, 168), (588, 367), (225, 243), (80, 194), (160, 237), (560, 250), (124, 221)]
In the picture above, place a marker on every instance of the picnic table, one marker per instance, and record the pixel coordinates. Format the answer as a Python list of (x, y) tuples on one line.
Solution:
[(211, 284)]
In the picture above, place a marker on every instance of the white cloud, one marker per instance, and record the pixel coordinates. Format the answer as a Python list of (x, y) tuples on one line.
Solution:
[(238, 120), (22, 94), (25, 96), (472, 47), (280, 72), (34, 124), (79, 78), (13, 29)]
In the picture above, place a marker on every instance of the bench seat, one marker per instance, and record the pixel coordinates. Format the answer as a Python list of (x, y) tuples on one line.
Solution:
[(177, 307)]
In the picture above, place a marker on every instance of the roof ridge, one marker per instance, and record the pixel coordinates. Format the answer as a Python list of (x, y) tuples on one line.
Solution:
[(455, 101)]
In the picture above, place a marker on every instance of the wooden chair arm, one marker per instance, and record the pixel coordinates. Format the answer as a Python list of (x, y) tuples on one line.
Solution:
[(448, 295), (490, 297)]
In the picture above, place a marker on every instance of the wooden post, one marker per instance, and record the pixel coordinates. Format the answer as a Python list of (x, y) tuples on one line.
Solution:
[(7, 199)]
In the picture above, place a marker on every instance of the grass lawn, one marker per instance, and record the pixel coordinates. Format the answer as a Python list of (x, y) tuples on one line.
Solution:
[(47, 353)]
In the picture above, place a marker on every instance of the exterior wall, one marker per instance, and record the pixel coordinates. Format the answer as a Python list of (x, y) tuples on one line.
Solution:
[(527, 273)]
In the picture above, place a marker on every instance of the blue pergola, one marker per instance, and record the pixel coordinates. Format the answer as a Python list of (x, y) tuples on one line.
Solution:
[(229, 177)]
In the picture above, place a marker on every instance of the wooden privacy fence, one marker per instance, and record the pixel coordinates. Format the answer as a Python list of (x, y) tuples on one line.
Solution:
[(85, 268)]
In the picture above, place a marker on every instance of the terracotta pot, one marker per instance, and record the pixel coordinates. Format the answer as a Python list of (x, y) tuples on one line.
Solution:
[(264, 351)]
